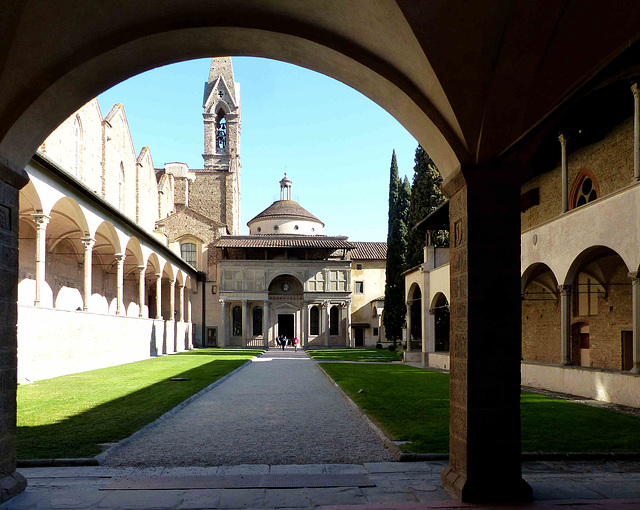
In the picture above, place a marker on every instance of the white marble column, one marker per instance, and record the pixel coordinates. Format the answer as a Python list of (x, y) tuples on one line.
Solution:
[(41, 221), (348, 326), (172, 300), (141, 272), (635, 299), (119, 283), (408, 305), (326, 306), (245, 316), (88, 243), (636, 131), (565, 173), (222, 337), (158, 295), (429, 342), (265, 323), (305, 331), (565, 323), (181, 302), (188, 303)]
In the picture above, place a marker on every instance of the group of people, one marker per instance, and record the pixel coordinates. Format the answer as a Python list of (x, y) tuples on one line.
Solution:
[(283, 341)]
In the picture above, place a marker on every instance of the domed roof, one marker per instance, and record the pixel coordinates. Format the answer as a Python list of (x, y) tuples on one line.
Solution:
[(285, 209)]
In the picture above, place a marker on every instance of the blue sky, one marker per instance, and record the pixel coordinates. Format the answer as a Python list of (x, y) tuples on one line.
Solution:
[(333, 142)]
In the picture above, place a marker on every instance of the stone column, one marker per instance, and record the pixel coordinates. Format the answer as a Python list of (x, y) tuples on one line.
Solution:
[(565, 173), (636, 131), (565, 323), (12, 178), (120, 283), (141, 272), (245, 328), (222, 337), (41, 220), (158, 295), (635, 295), (408, 306), (265, 323), (188, 304), (305, 332), (485, 442), (348, 326), (88, 243), (181, 302), (326, 306)]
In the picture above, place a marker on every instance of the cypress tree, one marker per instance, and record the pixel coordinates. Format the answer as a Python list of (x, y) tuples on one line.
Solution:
[(394, 305), (426, 196)]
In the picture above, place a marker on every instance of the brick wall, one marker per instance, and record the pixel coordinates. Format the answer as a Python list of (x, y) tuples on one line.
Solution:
[(540, 326)]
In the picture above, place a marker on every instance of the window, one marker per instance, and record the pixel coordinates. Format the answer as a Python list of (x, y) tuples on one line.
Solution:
[(221, 133), (375, 331), (585, 189), (587, 192), (188, 253), (257, 321), (236, 315), (358, 266), (314, 321), (359, 287), (334, 320)]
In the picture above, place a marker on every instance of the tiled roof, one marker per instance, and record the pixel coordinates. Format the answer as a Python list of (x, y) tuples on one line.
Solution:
[(283, 241), (285, 208), (369, 251)]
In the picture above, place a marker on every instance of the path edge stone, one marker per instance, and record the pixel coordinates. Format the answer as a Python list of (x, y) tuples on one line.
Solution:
[(102, 456)]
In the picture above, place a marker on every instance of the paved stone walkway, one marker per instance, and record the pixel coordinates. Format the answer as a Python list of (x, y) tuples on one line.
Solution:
[(280, 409)]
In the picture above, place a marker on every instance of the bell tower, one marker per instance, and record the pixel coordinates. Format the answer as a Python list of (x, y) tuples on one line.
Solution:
[(221, 115)]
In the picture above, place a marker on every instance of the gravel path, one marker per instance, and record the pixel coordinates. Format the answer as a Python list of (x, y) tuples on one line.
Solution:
[(278, 410)]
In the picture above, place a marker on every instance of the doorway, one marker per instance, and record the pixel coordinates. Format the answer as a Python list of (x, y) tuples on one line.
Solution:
[(286, 325), (359, 337)]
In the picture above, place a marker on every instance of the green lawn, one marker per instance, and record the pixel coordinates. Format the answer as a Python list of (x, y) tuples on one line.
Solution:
[(412, 404), (355, 354), (70, 416)]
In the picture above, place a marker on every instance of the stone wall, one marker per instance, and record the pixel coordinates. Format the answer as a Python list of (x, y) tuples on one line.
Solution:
[(540, 326), (80, 341), (610, 161)]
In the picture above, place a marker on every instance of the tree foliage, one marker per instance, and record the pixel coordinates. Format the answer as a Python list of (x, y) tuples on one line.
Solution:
[(426, 196), (394, 305)]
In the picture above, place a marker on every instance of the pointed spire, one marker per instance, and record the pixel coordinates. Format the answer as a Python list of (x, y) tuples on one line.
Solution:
[(221, 67)]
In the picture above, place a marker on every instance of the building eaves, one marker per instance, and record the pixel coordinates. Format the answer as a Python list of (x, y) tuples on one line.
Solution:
[(270, 241), (369, 251)]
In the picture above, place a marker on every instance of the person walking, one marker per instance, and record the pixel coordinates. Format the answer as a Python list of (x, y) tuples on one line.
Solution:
[(284, 342), (295, 343)]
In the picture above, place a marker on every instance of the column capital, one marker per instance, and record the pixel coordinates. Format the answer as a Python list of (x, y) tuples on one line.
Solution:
[(158, 276), (120, 257), (635, 90), (172, 282), (40, 219), (223, 301), (180, 285), (635, 277), (142, 269), (88, 241), (563, 139), (565, 290)]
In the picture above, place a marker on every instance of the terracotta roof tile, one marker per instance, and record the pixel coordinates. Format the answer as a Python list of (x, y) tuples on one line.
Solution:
[(285, 208), (369, 251), (283, 241)]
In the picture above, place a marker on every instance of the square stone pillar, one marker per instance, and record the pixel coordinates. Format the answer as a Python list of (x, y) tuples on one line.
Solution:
[(11, 180), (485, 445)]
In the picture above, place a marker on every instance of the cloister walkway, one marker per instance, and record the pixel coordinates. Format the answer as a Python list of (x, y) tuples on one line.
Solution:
[(280, 409)]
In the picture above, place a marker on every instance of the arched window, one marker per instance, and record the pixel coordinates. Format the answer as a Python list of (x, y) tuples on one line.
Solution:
[(585, 189), (334, 320), (76, 147), (257, 321), (221, 132), (236, 315), (314, 321), (188, 253)]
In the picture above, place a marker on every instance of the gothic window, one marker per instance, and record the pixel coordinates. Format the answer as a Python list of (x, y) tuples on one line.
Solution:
[(236, 316), (314, 321), (188, 253), (257, 321), (585, 189), (334, 320), (221, 133)]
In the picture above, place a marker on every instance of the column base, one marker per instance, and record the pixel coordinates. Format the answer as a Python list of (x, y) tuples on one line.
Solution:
[(11, 485), (481, 491)]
